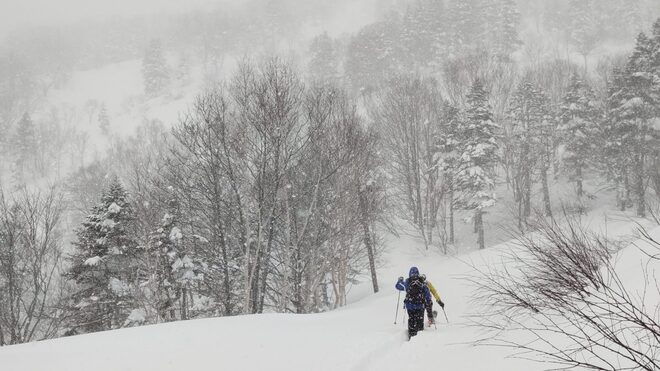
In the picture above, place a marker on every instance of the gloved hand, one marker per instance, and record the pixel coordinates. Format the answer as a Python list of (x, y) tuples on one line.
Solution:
[(400, 279), (441, 304)]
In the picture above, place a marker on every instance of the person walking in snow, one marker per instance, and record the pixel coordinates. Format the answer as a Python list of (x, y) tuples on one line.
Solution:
[(429, 304), (417, 297)]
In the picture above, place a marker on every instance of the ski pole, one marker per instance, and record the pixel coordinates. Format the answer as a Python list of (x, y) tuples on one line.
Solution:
[(396, 315), (446, 319), (405, 312)]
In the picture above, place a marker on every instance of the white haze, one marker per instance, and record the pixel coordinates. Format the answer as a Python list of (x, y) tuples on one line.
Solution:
[(29, 13), (343, 15)]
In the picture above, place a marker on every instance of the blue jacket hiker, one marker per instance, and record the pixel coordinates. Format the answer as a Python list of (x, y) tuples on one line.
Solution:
[(417, 297)]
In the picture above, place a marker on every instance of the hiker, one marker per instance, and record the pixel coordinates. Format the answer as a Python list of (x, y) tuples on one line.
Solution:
[(429, 304), (417, 297)]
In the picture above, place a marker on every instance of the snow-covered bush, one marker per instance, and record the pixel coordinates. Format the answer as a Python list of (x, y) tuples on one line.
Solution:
[(570, 297)]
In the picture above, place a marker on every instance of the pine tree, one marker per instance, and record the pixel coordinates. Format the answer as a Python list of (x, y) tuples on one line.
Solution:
[(655, 70), (633, 105), (614, 143), (25, 148), (477, 137), (584, 27), (424, 33), (504, 29), (579, 118), (532, 134), (104, 120), (631, 16), (467, 25), (374, 54), (105, 265), (183, 70), (324, 63), (154, 69), (175, 270)]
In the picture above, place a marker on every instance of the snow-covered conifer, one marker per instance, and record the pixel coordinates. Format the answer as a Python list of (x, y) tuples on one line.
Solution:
[(631, 137), (105, 265), (324, 63), (154, 69), (532, 130), (104, 120), (25, 147), (579, 117), (477, 149)]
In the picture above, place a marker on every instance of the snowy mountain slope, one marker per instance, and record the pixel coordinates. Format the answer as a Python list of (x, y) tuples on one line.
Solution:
[(361, 336)]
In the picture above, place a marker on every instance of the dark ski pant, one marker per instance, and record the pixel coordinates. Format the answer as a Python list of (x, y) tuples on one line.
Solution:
[(415, 321), (429, 309)]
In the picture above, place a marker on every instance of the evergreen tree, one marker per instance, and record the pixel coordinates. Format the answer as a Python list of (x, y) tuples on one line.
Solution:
[(174, 270), (324, 63), (25, 147), (183, 70), (105, 265), (631, 16), (154, 69), (633, 106), (615, 141), (467, 25), (374, 54), (477, 147), (504, 29), (584, 31), (532, 135), (579, 118), (424, 33), (104, 120), (655, 70)]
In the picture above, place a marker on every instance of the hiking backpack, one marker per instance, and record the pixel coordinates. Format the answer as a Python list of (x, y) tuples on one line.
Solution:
[(415, 292)]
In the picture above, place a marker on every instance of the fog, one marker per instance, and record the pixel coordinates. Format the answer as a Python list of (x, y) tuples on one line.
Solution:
[(30, 13), (166, 160)]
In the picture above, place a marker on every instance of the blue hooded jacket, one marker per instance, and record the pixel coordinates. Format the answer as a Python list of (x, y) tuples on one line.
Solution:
[(403, 286)]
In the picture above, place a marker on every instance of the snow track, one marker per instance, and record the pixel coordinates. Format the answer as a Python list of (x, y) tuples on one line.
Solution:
[(359, 337)]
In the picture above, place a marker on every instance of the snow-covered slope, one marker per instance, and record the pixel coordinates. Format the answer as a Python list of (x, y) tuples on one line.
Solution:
[(361, 336)]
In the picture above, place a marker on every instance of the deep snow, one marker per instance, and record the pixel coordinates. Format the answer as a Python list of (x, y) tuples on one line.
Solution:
[(361, 336)]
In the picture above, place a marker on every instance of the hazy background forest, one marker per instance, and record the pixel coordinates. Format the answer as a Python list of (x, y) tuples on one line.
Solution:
[(161, 162)]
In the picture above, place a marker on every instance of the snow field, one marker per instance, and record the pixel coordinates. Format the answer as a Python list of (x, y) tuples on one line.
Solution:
[(361, 336)]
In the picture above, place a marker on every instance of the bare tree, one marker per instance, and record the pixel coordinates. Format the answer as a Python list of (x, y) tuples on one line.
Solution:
[(560, 298), (30, 256), (409, 115)]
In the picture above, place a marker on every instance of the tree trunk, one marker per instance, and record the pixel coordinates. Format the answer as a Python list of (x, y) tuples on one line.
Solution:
[(368, 242), (451, 211), (578, 174), (226, 279), (480, 229), (546, 191), (184, 304), (639, 186), (622, 193), (527, 196)]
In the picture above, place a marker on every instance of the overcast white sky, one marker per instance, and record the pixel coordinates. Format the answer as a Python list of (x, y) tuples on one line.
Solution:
[(15, 13)]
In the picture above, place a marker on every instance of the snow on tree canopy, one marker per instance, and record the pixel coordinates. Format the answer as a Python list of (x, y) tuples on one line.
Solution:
[(119, 287), (93, 261), (136, 318), (103, 236), (176, 235), (114, 208)]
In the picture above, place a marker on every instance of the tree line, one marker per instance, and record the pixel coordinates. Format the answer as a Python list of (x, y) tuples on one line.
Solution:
[(269, 194)]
